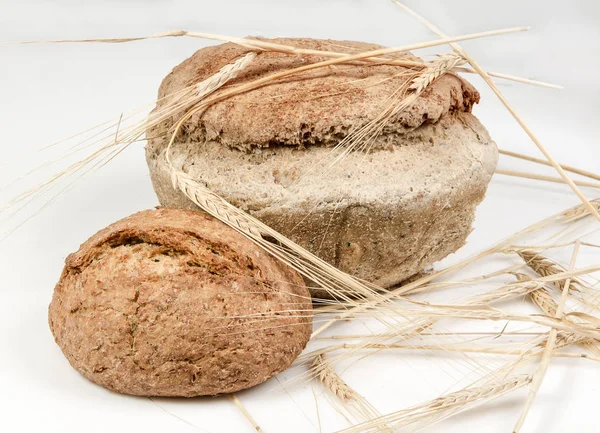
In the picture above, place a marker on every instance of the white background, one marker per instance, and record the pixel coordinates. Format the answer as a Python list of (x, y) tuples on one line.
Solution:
[(48, 92)]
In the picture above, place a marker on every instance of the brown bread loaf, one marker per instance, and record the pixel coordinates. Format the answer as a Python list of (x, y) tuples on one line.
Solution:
[(174, 303)]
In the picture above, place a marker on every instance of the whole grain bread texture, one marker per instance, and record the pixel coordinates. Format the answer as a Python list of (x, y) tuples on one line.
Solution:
[(404, 201), (172, 302)]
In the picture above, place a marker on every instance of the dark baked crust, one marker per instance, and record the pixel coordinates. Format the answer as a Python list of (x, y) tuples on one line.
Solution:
[(174, 303), (319, 106)]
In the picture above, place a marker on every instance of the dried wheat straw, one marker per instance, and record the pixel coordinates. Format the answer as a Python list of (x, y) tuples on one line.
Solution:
[(469, 349), (546, 163), (523, 287), (578, 212), (541, 177), (258, 44)]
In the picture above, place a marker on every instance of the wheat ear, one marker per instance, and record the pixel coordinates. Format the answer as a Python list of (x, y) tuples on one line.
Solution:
[(445, 406), (332, 381), (549, 306), (545, 267), (435, 70), (539, 375), (544, 301), (225, 74), (336, 282), (354, 403)]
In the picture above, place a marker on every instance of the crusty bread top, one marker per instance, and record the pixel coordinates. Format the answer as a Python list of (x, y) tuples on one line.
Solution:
[(320, 106), (207, 240)]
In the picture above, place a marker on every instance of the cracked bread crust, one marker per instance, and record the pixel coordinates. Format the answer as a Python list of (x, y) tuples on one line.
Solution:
[(174, 303)]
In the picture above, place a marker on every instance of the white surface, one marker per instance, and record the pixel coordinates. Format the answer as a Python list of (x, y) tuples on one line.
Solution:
[(49, 92)]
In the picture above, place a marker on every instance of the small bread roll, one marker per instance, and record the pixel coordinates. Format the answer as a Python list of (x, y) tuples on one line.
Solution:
[(174, 303), (382, 213)]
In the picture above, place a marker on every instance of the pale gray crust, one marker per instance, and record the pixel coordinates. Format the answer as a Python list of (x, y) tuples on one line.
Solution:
[(172, 302), (383, 216)]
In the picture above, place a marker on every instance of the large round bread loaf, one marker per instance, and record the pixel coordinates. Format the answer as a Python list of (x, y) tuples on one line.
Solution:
[(382, 214), (175, 303)]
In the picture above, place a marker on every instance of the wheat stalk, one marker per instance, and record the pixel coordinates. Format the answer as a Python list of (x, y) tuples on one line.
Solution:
[(436, 69), (257, 44), (546, 163), (245, 412), (494, 384), (474, 307), (544, 178), (562, 340)]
